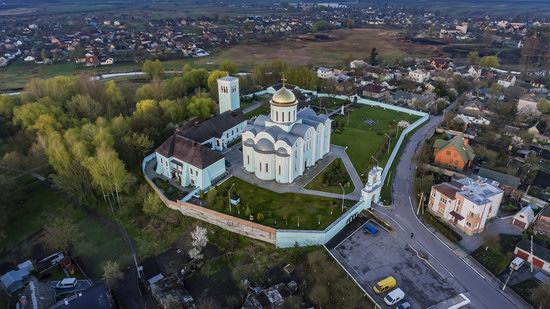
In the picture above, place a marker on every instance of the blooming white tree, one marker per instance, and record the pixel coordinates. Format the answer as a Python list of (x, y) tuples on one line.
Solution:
[(517, 141), (403, 124), (195, 253), (200, 237)]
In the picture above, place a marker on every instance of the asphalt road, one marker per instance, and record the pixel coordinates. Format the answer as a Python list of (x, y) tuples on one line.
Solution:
[(485, 292)]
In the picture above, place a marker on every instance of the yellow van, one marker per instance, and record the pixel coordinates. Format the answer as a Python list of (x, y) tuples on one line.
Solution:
[(385, 285)]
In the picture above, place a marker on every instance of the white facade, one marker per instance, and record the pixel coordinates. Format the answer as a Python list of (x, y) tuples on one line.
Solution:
[(189, 175), (419, 76), (475, 120), (281, 146), (325, 73), (466, 203), (507, 81), (228, 93)]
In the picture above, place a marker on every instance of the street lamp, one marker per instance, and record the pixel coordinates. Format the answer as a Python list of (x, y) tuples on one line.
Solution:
[(343, 193), (229, 196), (377, 163), (389, 142)]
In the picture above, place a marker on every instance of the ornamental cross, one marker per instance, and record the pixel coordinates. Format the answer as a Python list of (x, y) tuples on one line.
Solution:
[(283, 79)]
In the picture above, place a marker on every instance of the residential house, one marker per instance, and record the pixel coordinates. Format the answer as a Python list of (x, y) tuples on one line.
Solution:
[(455, 153), (523, 218), (542, 224), (376, 72), (507, 80), (374, 91), (219, 131), (540, 257), (538, 83), (510, 131), (466, 204), (3, 62), (15, 280), (541, 134), (401, 96), (325, 73), (357, 64), (470, 119), (475, 72), (439, 63), (419, 76), (272, 297), (507, 182)]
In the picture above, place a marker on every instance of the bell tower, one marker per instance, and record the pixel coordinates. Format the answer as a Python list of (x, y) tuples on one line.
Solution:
[(371, 192), (228, 94)]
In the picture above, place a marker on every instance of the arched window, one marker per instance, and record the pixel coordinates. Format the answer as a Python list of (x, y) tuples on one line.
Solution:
[(266, 168), (276, 116), (283, 113), (279, 170)]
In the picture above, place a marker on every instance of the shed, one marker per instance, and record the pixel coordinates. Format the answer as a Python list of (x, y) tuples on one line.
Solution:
[(524, 218), (15, 280)]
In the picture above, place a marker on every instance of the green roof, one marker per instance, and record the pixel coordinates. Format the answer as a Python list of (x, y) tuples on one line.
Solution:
[(465, 151), (503, 179)]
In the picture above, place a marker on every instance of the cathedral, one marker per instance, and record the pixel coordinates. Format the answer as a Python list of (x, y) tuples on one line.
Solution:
[(282, 145)]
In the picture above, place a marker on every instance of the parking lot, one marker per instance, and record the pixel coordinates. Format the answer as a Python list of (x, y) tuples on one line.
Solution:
[(370, 258)]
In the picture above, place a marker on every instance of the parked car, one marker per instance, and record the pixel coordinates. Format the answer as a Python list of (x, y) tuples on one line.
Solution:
[(67, 283), (394, 297), (517, 263), (385, 284), (405, 305), (370, 229)]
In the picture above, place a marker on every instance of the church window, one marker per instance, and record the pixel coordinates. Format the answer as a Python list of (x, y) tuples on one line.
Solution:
[(260, 166), (288, 116), (279, 170), (247, 159), (266, 168), (276, 116), (283, 116)]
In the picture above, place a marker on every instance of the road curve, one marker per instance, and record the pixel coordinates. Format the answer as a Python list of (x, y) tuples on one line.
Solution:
[(484, 291)]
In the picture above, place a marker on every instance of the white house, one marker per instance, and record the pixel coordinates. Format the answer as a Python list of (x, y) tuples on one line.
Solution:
[(357, 64), (478, 119), (192, 155), (466, 203), (282, 145), (507, 81), (419, 76), (325, 73), (524, 218)]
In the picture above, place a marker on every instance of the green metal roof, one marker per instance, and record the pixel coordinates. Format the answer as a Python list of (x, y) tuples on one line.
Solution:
[(465, 151)]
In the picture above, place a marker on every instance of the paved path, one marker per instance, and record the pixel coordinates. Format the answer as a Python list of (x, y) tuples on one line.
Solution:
[(252, 107), (234, 156), (484, 290)]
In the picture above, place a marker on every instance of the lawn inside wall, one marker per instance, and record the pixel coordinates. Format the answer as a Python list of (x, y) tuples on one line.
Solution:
[(496, 255), (290, 211), (318, 185)]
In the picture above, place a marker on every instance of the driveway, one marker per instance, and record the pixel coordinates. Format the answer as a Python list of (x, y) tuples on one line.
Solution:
[(484, 291)]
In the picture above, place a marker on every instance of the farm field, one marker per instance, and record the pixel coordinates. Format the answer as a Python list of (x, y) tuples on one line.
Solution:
[(344, 46)]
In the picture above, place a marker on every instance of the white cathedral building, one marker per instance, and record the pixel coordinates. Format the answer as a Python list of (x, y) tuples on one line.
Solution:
[(282, 145)]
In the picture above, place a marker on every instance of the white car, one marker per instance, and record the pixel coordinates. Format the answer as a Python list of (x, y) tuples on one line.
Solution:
[(517, 263), (394, 296), (67, 283)]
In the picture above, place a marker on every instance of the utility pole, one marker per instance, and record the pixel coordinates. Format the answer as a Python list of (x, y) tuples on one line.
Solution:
[(229, 196), (343, 193), (389, 142), (531, 255), (510, 275), (420, 203)]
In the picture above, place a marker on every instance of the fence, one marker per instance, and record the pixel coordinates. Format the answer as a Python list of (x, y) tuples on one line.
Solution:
[(227, 222)]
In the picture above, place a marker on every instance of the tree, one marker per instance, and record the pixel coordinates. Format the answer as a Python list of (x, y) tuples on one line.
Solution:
[(152, 203), (213, 81), (201, 106), (59, 233), (196, 78), (350, 23), (489, 62), (211, 196), (373, 56), (83, 106), (543, 106), (541, 295), (199, 237), (114, 98), (319, 294), (111, 273), (302, 76), (229, 66), (321, 25), (172, 302), (473, 58), (153, 69)]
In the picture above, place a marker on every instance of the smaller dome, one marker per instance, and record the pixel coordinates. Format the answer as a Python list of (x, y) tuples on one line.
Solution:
[(283, 96), (281, 152), (249, 142), (264, 146)]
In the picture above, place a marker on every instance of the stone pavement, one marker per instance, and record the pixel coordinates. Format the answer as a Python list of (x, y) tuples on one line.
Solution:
[(234, 156)]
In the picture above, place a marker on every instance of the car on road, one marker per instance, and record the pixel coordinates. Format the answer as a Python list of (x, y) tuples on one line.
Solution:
[(385, 284), (394, 297), (405, 305), (517, 263), (67, 283), (370, 229)]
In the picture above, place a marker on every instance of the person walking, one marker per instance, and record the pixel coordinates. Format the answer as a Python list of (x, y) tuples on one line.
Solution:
[(412, 235)]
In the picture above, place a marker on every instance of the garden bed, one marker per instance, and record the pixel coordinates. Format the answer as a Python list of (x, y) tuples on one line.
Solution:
[(441, 227)]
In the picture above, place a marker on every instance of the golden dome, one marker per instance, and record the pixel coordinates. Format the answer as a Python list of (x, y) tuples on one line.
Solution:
[(283, 96)]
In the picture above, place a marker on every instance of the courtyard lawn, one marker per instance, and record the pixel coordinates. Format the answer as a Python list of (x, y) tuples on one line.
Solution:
[(365, 135), (335, 168), (279, 210), (265, 109)]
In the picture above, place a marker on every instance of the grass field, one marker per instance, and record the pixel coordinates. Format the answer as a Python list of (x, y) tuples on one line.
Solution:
[(362, 140), (317, 182), (281, 210)]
